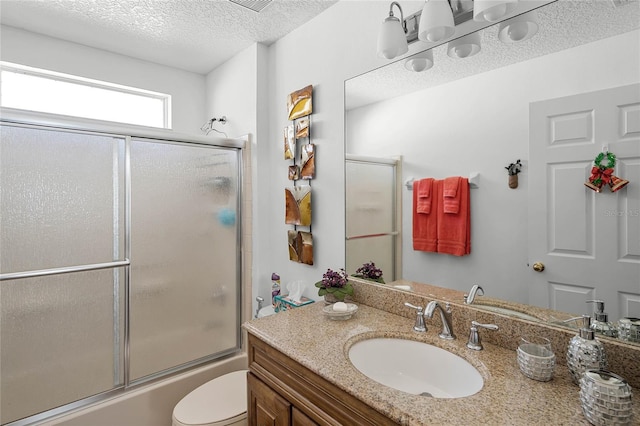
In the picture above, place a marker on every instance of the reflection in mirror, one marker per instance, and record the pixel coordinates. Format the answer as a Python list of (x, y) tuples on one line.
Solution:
[(373, 223), (512, 101)]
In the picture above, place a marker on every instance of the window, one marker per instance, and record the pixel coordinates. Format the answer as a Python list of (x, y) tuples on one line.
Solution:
[(39, 90)]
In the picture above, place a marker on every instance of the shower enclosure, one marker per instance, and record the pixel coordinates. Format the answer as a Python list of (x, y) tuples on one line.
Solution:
[(120, 263), (373, 218)]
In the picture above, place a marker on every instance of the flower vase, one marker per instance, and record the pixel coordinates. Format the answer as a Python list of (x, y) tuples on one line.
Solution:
[(330, 299)]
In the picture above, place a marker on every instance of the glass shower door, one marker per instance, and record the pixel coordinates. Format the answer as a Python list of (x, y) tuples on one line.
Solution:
[(61, 268), (184, 255), (371, 216), (120, 262)]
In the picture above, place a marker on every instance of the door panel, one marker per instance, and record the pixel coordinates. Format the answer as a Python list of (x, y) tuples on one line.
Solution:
[(588, 241), (44, 206), (184, 301), (571, 213)]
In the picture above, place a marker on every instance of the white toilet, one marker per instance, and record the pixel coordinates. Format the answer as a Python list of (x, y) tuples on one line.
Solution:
[(221, 401), (266, 311)]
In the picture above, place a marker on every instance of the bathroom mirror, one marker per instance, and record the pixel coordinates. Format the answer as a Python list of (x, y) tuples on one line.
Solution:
[(484, 100)]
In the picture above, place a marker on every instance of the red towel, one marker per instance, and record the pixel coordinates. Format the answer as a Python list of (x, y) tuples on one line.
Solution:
[(423, 189), (454, 229), (451, 195), (425, 229)]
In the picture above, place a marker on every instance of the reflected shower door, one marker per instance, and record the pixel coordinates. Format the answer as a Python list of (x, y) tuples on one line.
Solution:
[(184, 255), (61, 207), (371, 216)]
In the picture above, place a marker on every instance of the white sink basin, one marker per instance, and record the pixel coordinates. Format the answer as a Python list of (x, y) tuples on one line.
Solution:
[(415, 367)]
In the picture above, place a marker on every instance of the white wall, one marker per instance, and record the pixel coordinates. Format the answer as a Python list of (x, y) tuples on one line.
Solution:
[(237, 89), (187, 89), (480, 124)]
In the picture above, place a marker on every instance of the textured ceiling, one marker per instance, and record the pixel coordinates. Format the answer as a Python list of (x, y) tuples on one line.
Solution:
[(562, 25), (194, 35)]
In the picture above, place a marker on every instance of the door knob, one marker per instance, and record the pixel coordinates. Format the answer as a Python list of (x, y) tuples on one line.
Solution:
[(538, 266)]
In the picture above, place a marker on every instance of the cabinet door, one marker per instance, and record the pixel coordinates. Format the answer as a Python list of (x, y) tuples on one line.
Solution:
[(266, 407), (301, 419)]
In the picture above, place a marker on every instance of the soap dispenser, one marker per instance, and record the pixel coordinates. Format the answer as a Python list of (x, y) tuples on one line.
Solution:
[(600, 322), (585, 351)]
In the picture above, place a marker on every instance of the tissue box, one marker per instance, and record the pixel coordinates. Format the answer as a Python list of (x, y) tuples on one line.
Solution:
[(283, 303)]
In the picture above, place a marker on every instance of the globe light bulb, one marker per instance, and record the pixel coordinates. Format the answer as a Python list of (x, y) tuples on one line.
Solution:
[(463, 51), (496, 12), (418, 65), (518, 30), (420, 62), (436, 34)]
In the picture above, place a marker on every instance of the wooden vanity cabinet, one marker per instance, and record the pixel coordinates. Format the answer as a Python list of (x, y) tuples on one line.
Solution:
[(282, 392)]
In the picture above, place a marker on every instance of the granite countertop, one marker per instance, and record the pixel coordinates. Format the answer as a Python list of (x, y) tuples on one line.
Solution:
[(508, 397)]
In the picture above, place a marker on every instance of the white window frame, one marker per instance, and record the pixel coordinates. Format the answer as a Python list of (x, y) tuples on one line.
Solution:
[(87, 82)]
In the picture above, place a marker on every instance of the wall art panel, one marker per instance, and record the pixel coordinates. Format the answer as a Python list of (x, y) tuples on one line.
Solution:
[(307, 161), (289, 143), (299, 103), (298, 205), (301, 247)]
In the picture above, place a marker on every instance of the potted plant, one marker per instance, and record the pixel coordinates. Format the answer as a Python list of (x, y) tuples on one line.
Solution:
[(334, 286), (368, 271)]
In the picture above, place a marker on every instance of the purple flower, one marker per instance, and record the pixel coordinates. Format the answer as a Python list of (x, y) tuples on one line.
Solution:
[(369, 270), (334, 279)]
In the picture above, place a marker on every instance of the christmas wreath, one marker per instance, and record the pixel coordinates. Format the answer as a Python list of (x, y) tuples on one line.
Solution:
[(600, 173)]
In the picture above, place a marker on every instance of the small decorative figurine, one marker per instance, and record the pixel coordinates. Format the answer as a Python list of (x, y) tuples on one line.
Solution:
[(514, 169)]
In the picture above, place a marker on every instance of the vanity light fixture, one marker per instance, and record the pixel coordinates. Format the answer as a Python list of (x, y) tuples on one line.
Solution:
[(465, 46), (436, 21), (392, 40), (492, 10), (519, 28), (420, 62)]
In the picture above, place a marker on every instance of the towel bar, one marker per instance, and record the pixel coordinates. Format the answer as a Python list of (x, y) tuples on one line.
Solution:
[(474, 181)]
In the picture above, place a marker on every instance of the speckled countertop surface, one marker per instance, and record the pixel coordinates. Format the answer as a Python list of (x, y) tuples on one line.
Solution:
[(508, 397)]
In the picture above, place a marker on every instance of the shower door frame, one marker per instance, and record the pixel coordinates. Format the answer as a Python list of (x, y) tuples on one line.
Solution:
[(52, 122)]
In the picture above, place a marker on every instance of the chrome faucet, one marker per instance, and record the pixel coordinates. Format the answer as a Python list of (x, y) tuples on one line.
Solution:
[(419, 325), (468, 299), (445, 316), (474, 337), (259, 300)]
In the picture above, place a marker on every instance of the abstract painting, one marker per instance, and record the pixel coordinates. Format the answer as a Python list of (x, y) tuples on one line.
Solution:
[(301, 247), (294, 172), (307, 161), (302, 128), (289, 143), (298, 205), (299, 103)]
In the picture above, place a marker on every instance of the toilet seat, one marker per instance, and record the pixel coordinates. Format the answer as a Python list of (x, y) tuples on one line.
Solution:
[(266, 311), (221, 401)]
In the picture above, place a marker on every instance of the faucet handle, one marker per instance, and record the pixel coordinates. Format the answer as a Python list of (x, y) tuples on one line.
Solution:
[(474, 337), (259, 300), (419, 325)]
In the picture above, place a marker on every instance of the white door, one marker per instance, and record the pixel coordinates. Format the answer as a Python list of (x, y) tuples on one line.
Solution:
[(588, 242)]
